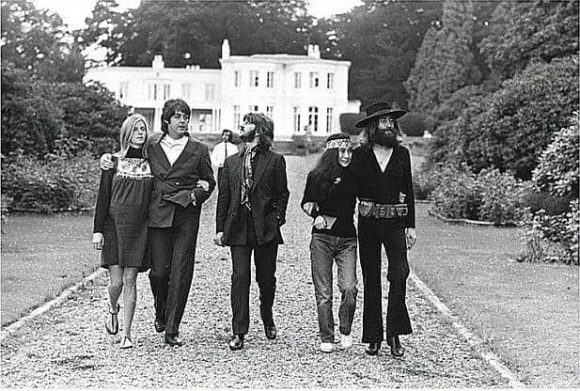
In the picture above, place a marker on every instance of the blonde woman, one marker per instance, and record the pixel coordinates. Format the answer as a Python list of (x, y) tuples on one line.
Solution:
[(120, 226)]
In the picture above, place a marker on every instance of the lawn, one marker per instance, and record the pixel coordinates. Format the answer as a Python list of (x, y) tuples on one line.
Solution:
[(42, 256), (528, 313)]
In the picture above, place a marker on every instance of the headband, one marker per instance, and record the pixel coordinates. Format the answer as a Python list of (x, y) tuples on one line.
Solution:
[(338, 143)]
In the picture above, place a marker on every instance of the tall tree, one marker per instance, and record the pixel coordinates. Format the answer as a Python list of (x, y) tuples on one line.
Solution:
[(191, 32), (381, 39), (522, 31), (106, 28), (445, 62), (35, 40)]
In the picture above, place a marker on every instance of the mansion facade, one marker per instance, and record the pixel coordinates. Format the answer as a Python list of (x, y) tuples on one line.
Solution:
[(301, 93)]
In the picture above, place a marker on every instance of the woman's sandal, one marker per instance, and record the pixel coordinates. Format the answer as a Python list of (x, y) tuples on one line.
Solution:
[(112, 322), (126, 343)]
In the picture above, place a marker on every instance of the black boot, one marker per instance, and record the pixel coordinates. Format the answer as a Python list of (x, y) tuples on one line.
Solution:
[(396, 349)]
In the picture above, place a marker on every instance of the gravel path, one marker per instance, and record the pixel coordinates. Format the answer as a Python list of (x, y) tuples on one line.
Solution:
[(68, 346)]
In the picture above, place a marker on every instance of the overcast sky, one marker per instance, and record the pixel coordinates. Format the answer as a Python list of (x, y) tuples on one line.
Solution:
[(74, 12)]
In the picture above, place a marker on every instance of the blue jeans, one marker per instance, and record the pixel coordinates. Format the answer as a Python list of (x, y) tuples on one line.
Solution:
[(324, 249)]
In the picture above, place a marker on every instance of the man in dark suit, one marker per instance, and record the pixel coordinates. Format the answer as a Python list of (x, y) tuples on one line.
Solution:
[(251, 208), (382, 168), (178, 164), (183, 180)]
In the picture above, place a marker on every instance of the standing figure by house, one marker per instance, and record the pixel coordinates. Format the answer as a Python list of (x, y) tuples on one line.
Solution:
[(251, 208), (386, 218), (183, 180), (329, 198), (222, 151), (120, 224)]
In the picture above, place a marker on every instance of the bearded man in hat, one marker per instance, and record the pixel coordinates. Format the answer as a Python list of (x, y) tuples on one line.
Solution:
[(382, 168)]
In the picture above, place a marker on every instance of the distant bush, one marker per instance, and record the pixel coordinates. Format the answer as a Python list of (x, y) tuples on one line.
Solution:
[(412, 124), (460, 194), (502, 197), (52, 185), (348, 122), (457, 194)]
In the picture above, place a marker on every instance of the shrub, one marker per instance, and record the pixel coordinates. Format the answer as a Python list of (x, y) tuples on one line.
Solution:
[(553, 221), (348, 122), (502, 197), (558, 171), (52, 185), (457, 195), (488, 196), (553, 238), (412, 124)]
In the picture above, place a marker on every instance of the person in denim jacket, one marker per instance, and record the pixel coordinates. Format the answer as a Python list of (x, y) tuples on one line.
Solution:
[(329, 198)]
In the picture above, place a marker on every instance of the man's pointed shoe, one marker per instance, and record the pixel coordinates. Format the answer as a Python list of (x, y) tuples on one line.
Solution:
[(173, 340), (159, 326), (237, 342), (373, 348), (271, 332), (396, 349)]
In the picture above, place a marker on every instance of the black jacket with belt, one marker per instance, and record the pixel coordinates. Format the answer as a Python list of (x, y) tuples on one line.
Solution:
[(388, 187)]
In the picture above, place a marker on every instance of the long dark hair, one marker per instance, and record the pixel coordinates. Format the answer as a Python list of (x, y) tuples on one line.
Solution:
[(327, 168), (264, 128)]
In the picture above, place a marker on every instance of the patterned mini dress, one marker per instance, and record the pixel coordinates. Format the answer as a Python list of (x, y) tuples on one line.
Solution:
[(121, 212)]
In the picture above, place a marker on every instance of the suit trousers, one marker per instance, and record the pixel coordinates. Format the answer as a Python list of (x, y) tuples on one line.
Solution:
[(265, 261), (391, 234), (172, 262)]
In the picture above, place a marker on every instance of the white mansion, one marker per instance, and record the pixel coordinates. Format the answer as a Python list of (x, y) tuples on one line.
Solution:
[(299, 93)]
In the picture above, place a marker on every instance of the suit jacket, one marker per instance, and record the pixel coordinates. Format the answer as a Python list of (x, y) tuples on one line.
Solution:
[(385, 187), (173, 185), (268, 196)]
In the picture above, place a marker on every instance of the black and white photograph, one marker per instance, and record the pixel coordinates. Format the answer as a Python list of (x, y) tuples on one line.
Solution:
[(290, 194)]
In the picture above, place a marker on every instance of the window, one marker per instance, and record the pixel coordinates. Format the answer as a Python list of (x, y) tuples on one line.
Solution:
[(329, 120), (314, 79), (253, 109), (166, 91), (124, 90), (296, 119), (254, 79), (152, 92), (330, 81), (209, 92), (313, 118), (237, 117), (186, 90), (270, 80), (297, 80), (270, 111), (237, 78)]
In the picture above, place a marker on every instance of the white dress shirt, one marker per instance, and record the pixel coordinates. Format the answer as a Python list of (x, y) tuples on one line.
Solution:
[(173, 147), (221, 151)]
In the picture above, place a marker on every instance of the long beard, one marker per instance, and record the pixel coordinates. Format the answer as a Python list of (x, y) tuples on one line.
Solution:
[(388, 139)]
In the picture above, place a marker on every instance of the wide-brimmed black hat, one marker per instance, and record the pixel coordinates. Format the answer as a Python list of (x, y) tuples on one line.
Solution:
[(378, 109)]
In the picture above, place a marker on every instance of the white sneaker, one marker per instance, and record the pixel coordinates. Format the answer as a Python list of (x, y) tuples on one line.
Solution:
[(346, 341), (326, 347)]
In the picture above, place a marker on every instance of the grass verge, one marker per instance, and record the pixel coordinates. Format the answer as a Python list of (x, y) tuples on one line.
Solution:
[(528, 313), (41, 256)]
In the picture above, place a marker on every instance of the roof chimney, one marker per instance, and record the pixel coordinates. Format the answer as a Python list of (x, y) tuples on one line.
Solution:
[(313, 51), (158, 62), (225, 49)]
